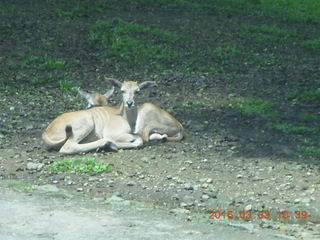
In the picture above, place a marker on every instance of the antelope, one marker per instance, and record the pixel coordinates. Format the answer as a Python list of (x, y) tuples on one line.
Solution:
[(91, 129), (148, 120)]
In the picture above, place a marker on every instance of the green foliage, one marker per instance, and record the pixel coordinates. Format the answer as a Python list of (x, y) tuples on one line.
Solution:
[(82, 8), (80, 165), (255, 106), (309, 148), (311, 96), (66, 84), (131, 44), (293, 9), (267, 33), (313, 44), (291, 128), (44, 63), (308, 117)]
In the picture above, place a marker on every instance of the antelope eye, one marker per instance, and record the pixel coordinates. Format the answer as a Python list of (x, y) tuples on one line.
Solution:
[(138, 91)]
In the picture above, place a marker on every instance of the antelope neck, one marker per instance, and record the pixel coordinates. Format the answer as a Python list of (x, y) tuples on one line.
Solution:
[(130, 114)]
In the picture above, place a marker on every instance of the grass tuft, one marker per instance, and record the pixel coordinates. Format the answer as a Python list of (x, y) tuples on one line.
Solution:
[(255, 106), (80, 165)]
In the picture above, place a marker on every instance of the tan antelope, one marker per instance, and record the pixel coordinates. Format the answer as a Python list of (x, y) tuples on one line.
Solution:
[(148, 120), (91, 129)]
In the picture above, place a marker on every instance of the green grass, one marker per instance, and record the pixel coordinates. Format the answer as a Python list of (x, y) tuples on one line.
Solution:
[(308, 117), (295, 10), (83, 8), (255, 106), (268, 33), (310, 96), (129, 44), (312, 44), (39, 70), (80, 165), (309, 148), (291, 128)]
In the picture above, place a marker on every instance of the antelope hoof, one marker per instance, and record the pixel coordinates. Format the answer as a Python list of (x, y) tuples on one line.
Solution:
[(111, 147)]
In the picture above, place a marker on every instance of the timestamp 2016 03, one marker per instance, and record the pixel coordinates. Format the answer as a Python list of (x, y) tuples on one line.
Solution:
[(257, 215)]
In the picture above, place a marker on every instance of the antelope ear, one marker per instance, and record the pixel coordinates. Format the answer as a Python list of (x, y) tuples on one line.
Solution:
[(86, 96), (147, 84), (114, 82), (83, 93), (109, 93)]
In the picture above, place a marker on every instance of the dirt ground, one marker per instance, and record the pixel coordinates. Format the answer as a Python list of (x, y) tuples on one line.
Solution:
[(226, 162)]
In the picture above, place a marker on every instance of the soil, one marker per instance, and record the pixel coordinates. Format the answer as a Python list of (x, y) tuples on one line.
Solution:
[(226, 162)]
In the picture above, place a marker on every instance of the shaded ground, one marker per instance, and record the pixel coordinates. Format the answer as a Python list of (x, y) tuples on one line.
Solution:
[(228, 161)]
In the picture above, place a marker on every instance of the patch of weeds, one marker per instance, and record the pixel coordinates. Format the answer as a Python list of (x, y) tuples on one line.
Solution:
[(227, 50), (308, 117), (255, 106), (66, 84), (45, 63), (80, 165), (195, 107), (83, 8), (292, 9), (59, 13), (313, 44), (290, 128), (308, 148), (130, 44), (311, 96), (267, 33)]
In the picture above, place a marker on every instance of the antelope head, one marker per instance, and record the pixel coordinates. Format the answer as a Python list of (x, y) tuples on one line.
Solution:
[(129, 90), (96, 99)]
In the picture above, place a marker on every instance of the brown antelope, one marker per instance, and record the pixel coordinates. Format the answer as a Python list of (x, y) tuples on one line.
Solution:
[(148, 120), (90, 129)]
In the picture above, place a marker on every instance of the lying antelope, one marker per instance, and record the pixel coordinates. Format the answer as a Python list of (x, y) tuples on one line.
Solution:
[(90, 129), (148, 120)]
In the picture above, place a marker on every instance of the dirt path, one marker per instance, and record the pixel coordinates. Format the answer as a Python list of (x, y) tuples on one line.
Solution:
[(50, 213)]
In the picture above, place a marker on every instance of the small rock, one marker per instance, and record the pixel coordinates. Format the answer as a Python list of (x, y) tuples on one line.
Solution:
[(180, 211), (306, 200), (188, 199), (213, 194), (48, 188), (33, 166), (256, 178), (246, 226), (188, 186), (248, 207), (92, 179), (145, 159), (205, 197), (116, 199), (131, 183), (202, 180), (209, 180)]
